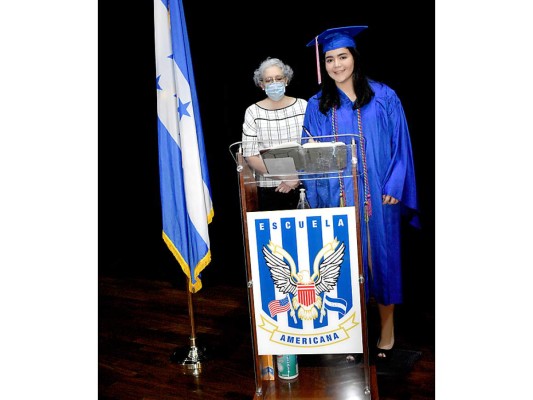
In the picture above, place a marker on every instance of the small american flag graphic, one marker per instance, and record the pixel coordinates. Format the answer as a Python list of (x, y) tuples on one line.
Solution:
[(278, 306)]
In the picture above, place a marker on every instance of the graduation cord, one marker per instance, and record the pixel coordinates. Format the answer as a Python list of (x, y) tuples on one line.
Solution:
[(334, 126), (342, 194), (368, 203)]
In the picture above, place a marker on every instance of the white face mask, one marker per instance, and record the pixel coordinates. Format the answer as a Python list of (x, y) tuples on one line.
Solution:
[(275, 90)]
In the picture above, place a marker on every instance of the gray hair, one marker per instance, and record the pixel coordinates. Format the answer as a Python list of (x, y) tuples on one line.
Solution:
[(269, 62)]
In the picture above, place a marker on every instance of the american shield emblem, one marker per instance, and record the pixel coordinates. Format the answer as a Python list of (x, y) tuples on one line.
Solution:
[(306, 294), (305, 281)]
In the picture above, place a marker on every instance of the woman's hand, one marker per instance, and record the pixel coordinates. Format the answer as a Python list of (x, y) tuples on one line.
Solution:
[(287, 186), (389, 200)]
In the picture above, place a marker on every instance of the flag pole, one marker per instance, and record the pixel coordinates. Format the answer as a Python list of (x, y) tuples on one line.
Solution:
[(186, 203), (192, 362)]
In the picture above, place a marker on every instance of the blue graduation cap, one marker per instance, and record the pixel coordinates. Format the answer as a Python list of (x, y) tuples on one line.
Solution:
[(334, 38)]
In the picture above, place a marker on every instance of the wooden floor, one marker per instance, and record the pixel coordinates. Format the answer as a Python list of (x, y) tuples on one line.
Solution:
[(144, 321)]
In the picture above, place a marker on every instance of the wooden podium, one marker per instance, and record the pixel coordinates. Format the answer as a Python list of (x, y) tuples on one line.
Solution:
[(326, 370)]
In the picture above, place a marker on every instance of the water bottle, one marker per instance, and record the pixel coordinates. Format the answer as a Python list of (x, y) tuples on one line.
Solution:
[(302, 202), (287, 366)]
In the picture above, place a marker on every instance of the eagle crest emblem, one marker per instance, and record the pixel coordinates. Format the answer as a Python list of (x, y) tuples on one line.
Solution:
[(305, 285)]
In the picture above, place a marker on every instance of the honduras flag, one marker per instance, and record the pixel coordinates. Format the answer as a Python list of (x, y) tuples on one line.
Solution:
[(184, 181)]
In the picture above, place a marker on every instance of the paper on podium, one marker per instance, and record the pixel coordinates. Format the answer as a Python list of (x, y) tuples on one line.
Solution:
[(280, 166), (324, 156), (287, 158)]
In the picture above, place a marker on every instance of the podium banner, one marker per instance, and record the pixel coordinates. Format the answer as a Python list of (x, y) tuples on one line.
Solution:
[(305, 276)]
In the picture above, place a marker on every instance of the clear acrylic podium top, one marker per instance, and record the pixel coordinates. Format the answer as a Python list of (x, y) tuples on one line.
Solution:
[(322, 158)]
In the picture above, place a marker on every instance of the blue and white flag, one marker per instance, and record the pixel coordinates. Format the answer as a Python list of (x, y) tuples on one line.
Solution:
[(184, 180), (336, 305)]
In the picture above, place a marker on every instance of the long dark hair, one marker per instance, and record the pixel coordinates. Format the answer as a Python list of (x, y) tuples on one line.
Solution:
[(363, 91)]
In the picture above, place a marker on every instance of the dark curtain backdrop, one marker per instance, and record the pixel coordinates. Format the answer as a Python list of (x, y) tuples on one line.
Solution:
[(228, 40)]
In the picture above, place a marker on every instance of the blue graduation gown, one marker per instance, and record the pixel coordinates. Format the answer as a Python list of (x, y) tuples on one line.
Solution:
[(390, 171)]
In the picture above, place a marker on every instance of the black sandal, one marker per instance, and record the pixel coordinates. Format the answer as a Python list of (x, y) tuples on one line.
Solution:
[(382, 354)]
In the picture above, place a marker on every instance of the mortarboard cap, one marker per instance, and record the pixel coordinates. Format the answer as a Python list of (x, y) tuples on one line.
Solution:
[(335, 38)]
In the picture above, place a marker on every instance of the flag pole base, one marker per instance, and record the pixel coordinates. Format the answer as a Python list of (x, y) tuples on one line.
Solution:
[(193, 360)]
